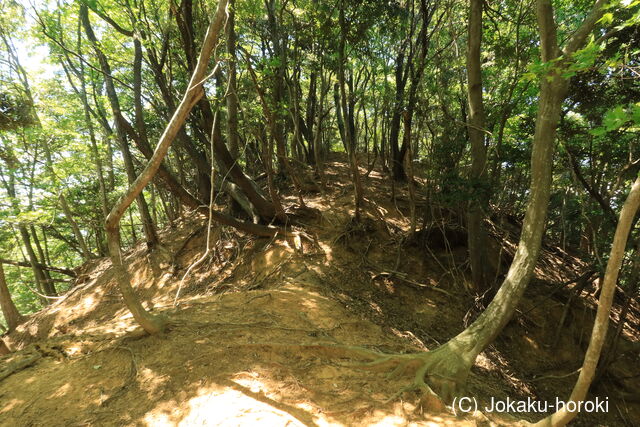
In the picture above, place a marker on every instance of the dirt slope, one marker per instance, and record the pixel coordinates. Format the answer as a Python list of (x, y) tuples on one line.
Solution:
[(272, 332)]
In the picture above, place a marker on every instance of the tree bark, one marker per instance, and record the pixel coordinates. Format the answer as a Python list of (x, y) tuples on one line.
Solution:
[(155, 324), (149, 229), (347, 114), (564, 416), (11, 314), (92, 138), (232, 95), (278, 41), (41, 280), (3, 348), (477, 235)]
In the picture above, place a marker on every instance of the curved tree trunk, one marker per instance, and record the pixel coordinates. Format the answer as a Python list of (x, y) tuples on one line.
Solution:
[(195, 90), (601, 323), (450, 364)]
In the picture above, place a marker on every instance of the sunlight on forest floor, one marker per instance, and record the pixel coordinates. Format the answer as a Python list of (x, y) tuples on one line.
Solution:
[(253, 340)]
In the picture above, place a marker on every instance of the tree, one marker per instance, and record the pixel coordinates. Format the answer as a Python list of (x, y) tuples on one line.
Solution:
[(477, 235), (11, 314), (448, 366), (154, 324), (564, 415), (149, 229)]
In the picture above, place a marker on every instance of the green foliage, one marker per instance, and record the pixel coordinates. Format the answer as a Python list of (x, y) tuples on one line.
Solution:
[(618, 117), (15, 111), (288, 50)]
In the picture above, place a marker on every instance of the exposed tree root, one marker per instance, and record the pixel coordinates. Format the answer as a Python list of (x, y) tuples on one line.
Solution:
[(331, 350), (442, 369), (19, 365)]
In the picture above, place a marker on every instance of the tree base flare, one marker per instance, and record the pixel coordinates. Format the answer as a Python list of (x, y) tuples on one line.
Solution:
[(440, 375)]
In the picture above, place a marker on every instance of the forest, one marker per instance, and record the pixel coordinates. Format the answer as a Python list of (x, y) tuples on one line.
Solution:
[(319, 212)]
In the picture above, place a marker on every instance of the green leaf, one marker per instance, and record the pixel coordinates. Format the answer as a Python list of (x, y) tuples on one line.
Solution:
[(614, 119), (607, 18), (635, 113)]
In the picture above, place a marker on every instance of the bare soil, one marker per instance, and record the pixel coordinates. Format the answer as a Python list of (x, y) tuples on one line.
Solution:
[(268, 332)]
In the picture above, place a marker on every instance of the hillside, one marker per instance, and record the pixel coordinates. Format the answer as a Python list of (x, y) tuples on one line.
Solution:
[(276, 331)]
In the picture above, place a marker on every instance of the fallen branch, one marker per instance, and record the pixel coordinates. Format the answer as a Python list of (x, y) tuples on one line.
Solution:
[(247, 227), (65, 271)]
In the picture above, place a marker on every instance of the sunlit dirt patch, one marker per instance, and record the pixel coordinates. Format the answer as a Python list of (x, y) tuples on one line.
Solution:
[(258, 336)]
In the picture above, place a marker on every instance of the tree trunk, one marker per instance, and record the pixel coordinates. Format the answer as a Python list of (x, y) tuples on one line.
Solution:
[(3, 348), (477, 206), (316, 146), (41, 280), (347, 113), (449, 365), (195, 90), (94, 145), (64, 271), (227, 164), (563, 416), (86, 253), (232, 96), (48, 285), (278, 41), (272, 123), (149, 229), (397, 168), (11, 314), (198, 158)]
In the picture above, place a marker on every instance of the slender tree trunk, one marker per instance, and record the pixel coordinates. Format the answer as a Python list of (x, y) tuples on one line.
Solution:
[(3, 348), (41, 279), (397, 168), (86, 253), (232, 95), (410, 176), (227, 164), (195, 90), (312, 105), (477, 235), (347, 113), (278, 41), (26, 264), (563, 416), (272, 123), (630, 293), (317, 136), (147, 223), (97, 158), (48, 285), (193, 151), (84, 249)]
